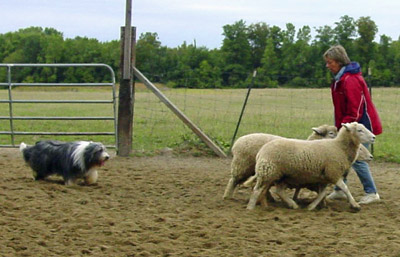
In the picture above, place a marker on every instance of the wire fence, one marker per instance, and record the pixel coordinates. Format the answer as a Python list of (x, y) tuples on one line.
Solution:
[(288, 112), (281, 111)]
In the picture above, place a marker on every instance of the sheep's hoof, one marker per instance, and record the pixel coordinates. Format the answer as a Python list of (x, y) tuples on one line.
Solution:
[(311, 207), (356, 208), (250, 207)]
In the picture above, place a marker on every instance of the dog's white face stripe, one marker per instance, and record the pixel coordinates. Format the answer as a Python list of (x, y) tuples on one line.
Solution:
[(104, 155), (77, 155)]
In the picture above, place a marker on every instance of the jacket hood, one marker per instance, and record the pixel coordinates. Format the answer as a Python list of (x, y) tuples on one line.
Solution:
[(353, 68)]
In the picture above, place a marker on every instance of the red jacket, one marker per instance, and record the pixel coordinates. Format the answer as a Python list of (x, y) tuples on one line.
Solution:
[(352, 102)]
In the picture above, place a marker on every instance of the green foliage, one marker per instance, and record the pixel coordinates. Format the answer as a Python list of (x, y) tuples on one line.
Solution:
[(367, 30), (38, 45), (298, 82), (282, 57), (257, 35), (345, 32)]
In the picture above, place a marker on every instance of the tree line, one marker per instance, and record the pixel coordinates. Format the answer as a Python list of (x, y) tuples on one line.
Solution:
[(281, 56)]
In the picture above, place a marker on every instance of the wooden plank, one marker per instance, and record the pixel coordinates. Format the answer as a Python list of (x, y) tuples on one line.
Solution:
[(178, 113)]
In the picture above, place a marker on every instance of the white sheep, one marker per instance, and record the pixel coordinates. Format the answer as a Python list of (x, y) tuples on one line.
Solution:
[(363, 155), (245, 149), (302, 162)]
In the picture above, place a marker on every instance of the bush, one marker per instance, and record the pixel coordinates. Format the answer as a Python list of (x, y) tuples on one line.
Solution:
[(298, 82)]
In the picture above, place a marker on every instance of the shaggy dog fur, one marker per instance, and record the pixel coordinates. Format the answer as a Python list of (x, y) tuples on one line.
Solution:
[(71, 160)]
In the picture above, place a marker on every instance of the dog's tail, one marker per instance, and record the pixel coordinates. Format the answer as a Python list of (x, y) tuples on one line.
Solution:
[(22, 146), (24, 150)]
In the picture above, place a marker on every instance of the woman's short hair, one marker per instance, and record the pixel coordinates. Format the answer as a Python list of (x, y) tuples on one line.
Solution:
[(337, 53)]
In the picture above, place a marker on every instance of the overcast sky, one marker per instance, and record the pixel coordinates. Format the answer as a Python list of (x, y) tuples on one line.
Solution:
[(176, 21)]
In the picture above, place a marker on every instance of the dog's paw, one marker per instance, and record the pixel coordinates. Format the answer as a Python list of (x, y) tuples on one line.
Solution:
[(70, 182), (91, 177)]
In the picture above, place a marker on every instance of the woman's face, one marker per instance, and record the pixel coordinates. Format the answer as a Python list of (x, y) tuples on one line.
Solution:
[(332, 65)]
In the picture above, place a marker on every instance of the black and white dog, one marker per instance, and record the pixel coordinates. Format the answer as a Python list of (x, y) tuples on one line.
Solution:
[(71, 160)]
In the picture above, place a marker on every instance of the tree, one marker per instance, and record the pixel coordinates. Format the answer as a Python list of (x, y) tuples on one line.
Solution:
[(303, 59), (288, 53), (236, 52), (52, 48), (325, 37), (281, 56), (110, 54), (209, 76), (345, 32), (83, 50), (257, 35), (148, 55), (394, 53), (365, 46), (270, 66)]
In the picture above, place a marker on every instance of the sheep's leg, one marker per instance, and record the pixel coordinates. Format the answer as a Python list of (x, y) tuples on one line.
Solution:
[(266, 197), (250, 181), (345, 189), (263, 198), (258, 189), (230, 188), (296, 193), (269, 196), (323, 201), (321, 195), (280, 190)]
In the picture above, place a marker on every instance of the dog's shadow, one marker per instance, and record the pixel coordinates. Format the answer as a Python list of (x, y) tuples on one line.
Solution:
[(58, 181)]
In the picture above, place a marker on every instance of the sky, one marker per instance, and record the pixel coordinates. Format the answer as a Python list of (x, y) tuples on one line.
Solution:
[(190, 21)]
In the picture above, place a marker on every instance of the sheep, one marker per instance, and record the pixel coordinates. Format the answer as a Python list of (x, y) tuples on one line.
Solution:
[(245, 149), (363, 155), (302, 162)]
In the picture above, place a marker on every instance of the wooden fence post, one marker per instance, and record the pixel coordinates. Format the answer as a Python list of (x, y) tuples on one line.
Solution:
[(126, 97)]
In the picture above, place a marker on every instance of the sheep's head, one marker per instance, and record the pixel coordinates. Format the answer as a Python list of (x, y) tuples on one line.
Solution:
[(360, 132), (325, 131), (364, 154)]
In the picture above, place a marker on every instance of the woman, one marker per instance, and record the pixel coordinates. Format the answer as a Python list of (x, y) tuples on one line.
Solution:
[(352, 102)]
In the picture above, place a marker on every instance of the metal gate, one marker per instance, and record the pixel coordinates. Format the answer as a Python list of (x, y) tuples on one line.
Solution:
[(11, 118)]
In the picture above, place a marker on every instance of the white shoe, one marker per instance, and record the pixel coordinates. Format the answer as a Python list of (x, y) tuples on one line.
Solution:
[(369, 198), (337, 195)]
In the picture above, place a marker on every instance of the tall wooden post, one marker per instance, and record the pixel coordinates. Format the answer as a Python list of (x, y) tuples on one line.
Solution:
[(127, 46), (126, 101), (126, 87)]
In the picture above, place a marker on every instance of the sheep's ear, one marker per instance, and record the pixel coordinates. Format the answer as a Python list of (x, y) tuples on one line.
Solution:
[(346, 125), (317, 130)]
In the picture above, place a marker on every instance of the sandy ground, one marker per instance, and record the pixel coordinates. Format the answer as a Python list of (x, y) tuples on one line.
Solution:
[(172, 206)]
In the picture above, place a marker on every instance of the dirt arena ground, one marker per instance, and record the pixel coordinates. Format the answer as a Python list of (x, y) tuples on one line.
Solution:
[(172, 206)]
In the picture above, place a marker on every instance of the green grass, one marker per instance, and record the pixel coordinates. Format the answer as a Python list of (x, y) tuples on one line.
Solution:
[(285, 112)]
